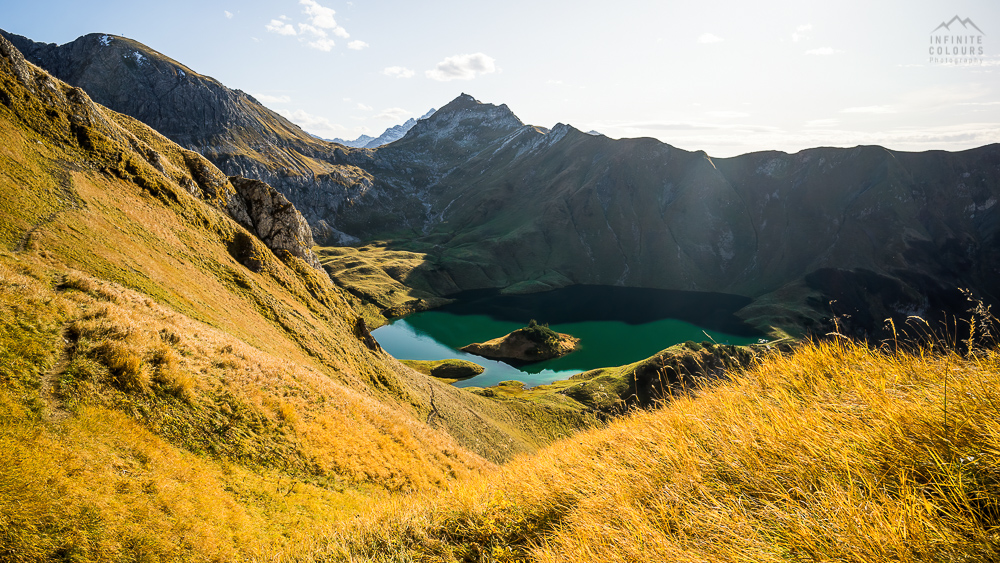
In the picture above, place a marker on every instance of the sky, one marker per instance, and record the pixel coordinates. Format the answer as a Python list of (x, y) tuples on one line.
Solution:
[(724, 77)]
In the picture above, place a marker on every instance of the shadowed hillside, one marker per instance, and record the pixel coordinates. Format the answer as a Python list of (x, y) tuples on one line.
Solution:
[(503, 204)]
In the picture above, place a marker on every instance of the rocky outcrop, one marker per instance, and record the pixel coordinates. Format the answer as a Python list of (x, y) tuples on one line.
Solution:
[(16, 58), (274, 220), (520, 347)]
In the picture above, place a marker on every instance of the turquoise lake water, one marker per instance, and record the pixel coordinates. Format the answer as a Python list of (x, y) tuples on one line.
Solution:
[(616, 326)]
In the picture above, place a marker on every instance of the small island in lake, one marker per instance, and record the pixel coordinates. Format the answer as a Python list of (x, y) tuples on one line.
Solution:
[(448, 370), (532, 343)]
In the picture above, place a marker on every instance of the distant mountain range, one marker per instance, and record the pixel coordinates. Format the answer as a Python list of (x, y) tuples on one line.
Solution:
[(502, 204), (491, 202), (391, 134)]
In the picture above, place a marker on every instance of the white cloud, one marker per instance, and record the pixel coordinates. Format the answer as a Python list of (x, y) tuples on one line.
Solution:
[(272, 99), (823, 51), (319, 26), (229, 15), (315, 124), (364, 107), (306, 28), (322, 44), (801, 32), (869, 109), (280, 27), (709, 38), (322, 17), (397, 71), (463, 67), (319, 15), (395, 114)]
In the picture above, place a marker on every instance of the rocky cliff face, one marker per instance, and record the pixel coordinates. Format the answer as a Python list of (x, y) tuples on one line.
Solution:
[(187, 107), (275, 220)]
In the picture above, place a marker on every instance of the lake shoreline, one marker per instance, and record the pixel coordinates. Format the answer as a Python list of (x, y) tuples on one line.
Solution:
[(439, 333)]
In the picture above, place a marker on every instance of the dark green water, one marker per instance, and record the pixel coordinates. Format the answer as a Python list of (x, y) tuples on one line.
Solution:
[(615, 325)]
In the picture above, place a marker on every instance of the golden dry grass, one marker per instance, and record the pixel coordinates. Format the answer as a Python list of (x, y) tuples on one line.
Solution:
[(131, 432), (837, 452), (209, 392)]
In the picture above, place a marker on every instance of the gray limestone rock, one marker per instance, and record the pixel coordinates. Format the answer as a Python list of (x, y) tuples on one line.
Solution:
[(275, 220)]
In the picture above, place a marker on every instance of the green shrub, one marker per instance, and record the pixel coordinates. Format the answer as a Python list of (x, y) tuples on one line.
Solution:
[(539, 334)]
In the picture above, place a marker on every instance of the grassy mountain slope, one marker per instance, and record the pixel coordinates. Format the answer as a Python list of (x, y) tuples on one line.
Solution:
[(160, 398), (229, 127), (835, 453)]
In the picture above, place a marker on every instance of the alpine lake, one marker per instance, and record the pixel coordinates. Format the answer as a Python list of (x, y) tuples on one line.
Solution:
[(615, 325)]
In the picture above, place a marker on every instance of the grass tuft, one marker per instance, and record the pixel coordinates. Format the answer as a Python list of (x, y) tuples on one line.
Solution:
[(169, 375), (126, 366)]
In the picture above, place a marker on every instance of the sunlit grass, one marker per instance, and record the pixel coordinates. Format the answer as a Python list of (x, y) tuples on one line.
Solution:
[(837, 452), (131, 432)]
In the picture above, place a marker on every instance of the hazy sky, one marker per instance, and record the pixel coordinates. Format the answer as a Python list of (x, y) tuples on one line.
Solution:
[(725, 77)]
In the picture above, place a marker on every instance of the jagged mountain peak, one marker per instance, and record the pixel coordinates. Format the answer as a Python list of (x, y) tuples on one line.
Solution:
[(465, 103), (464, 121), (106, 51)]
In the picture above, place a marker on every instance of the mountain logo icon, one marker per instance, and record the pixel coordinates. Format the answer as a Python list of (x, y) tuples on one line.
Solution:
[(965, 23)]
